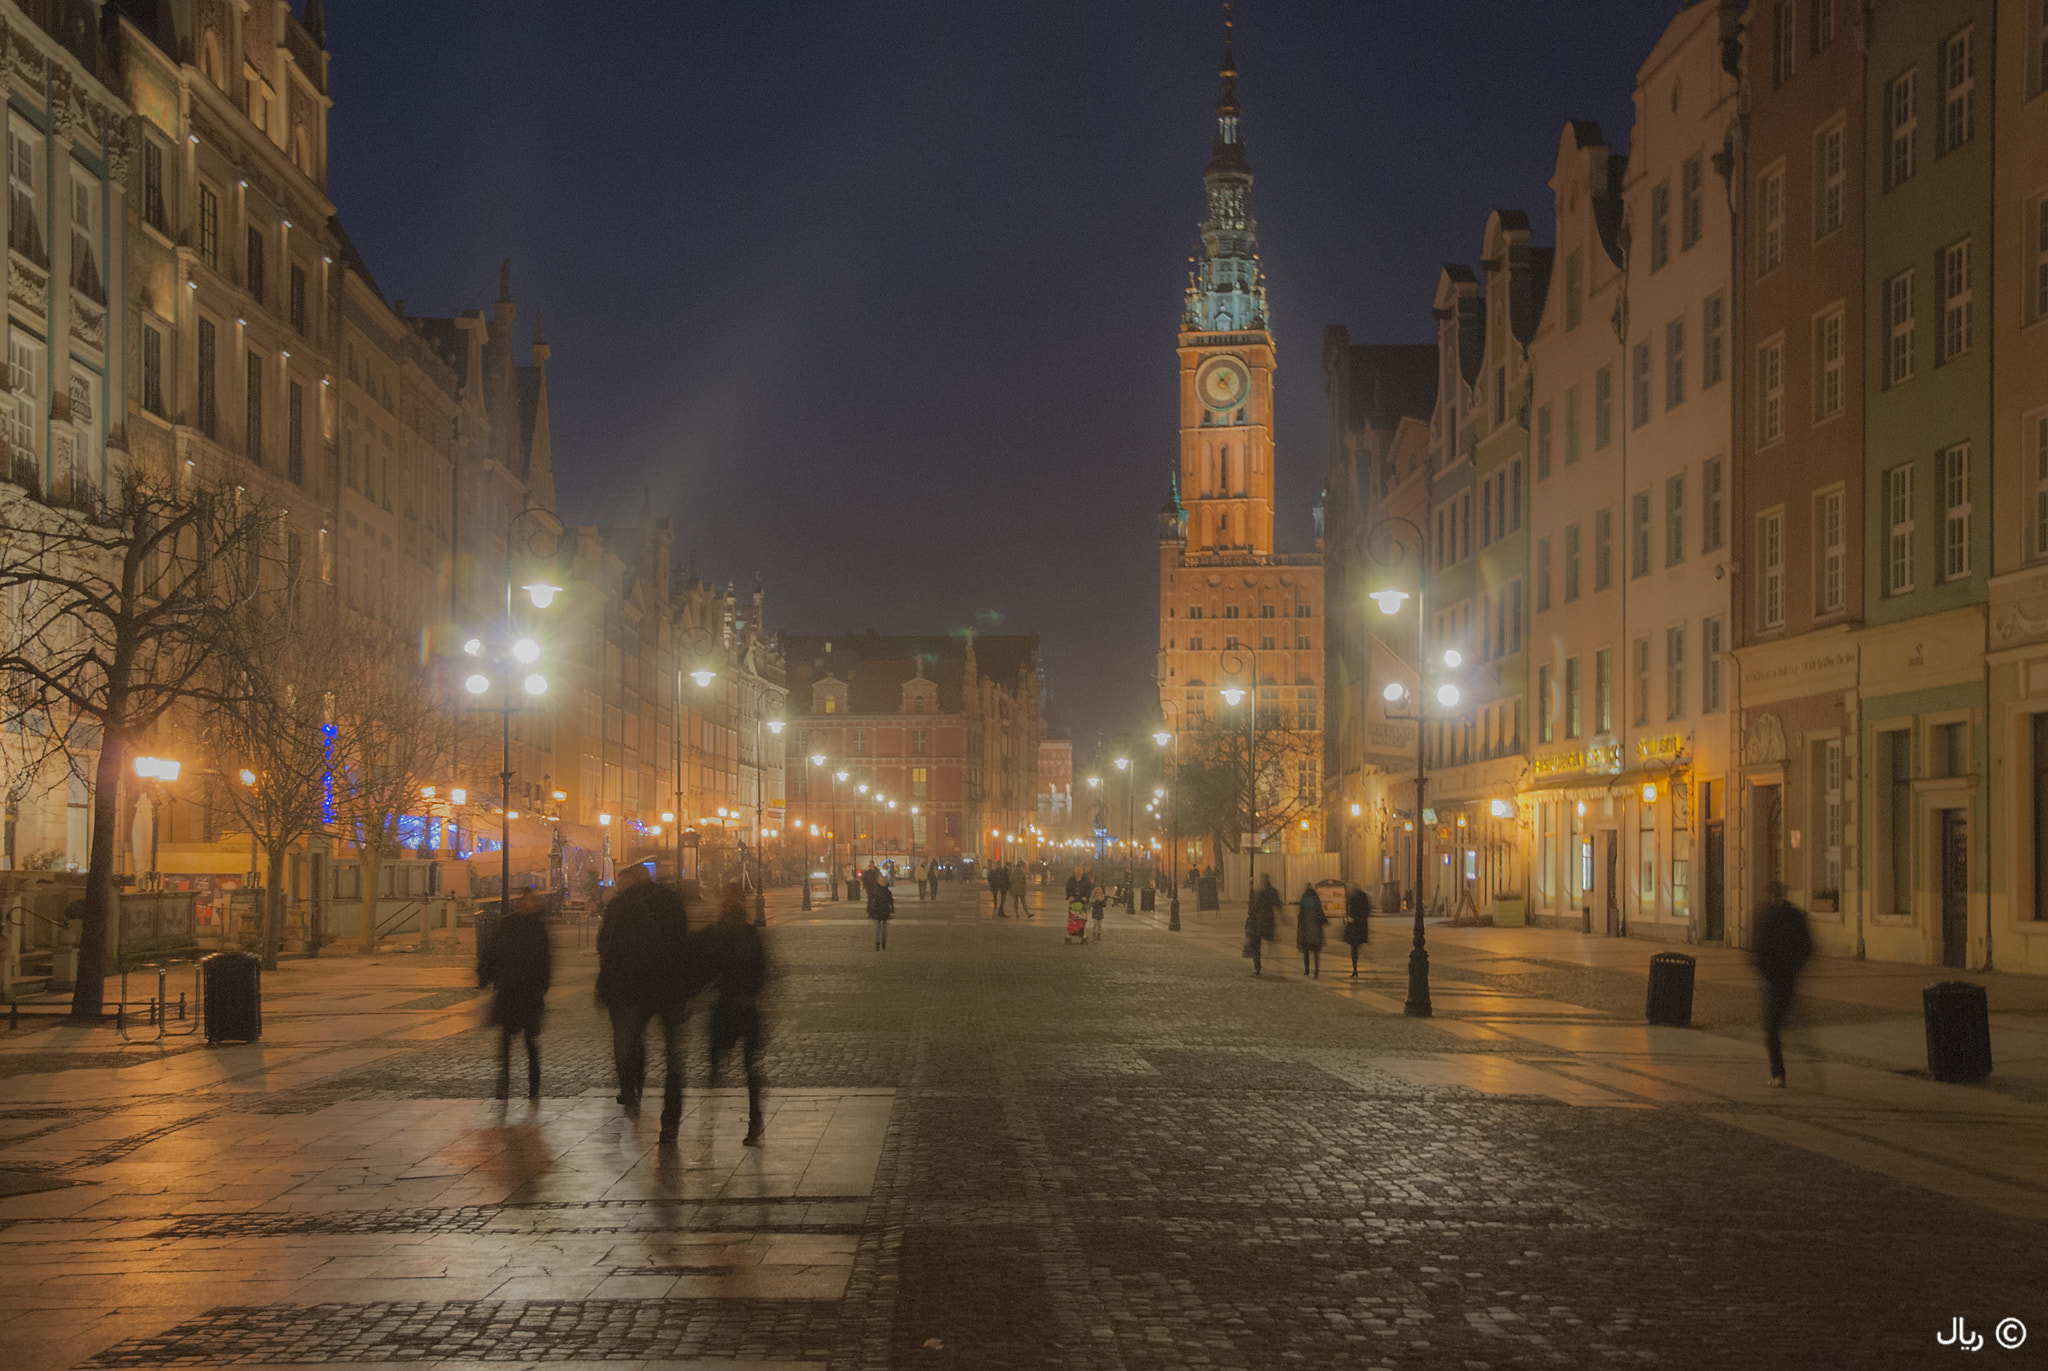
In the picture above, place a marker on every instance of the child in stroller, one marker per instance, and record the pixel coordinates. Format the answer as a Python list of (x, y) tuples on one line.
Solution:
[(1077, 920)]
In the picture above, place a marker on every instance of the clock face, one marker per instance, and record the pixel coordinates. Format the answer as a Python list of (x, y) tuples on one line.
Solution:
[(1223, 383)]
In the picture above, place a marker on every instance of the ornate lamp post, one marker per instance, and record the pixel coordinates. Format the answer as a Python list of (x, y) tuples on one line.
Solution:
[(516, 654), (1390, 600)]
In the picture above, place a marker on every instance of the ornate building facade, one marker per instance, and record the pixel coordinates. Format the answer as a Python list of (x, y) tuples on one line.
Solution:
[(1234, 612)]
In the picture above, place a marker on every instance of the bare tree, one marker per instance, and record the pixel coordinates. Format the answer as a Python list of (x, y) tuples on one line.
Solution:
[(1210, 788), (272, 740), (116, 614), (396, 730)]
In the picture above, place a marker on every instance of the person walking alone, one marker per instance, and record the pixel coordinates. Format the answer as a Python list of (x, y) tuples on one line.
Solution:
[(517, 964), (1308, 932), (1782, 945), (1259, 921), (643, 974), (1357, 922), (881, 908), (733, 956)]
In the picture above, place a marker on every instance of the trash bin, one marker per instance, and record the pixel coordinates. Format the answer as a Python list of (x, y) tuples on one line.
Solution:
[(232, 993), (1670, 998), (1205, 894), (1958, 1031), (1147, 899)]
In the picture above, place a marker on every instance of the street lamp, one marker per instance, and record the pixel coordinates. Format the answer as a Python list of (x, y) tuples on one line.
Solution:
[(1171, 740), (817, 760), (1232, 696), (1123, 764), (838, 777), (159, 772), (1390, 601), (519, 651)]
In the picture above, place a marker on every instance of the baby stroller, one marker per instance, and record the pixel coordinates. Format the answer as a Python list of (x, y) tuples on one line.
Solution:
[(1077, 924)]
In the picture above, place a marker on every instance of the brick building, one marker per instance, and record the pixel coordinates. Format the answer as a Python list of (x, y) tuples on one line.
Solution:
[(945, 727)]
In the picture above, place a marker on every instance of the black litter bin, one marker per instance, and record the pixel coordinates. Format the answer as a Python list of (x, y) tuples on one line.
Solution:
[(1670, 998), (1205, 894), (232, 987), (1958, 1031), (1147, 898)]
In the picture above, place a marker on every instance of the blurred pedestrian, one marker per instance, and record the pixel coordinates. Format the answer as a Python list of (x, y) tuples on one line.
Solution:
[(643, 974), (1261, 915), (1357, 922), (881, 908), (732, 956), (517, 964), (1098, 899), (1308, 932), (1073, 886), (1782, 944)]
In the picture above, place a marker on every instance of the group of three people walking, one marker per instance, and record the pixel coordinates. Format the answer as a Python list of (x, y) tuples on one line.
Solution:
[(1263, 916), (649, 966)]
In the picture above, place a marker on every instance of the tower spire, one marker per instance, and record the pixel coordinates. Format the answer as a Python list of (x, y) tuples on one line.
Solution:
[(1228, 291)]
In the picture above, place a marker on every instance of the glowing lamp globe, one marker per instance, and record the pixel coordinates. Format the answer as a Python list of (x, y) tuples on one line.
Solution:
[(1389, 601)]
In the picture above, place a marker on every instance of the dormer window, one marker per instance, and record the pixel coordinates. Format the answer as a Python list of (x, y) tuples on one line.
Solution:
[(828, 696), (1228, 125)]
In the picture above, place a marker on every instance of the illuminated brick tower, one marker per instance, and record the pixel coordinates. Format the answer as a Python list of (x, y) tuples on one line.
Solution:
[(1217, 560)]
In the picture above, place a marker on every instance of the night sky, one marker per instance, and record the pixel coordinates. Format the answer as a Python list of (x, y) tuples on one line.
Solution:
[(879, 300)]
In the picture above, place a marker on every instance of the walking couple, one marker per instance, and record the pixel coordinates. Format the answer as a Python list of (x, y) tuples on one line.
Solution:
[(648, 967)]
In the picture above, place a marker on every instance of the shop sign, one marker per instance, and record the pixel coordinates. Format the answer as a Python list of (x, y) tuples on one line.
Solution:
[(1558, 763), (1604, 758), (1670, 745)]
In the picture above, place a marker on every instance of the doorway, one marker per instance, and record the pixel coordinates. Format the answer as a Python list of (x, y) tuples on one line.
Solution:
[(1611, 842), (1766, 842), (1955, 888), (1714, 915)]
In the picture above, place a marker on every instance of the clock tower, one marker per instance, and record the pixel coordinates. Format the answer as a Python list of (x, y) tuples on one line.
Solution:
[(1226, 360), (1233, 609)]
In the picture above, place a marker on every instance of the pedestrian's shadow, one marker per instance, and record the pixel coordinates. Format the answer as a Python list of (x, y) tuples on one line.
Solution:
[(523, 1158)]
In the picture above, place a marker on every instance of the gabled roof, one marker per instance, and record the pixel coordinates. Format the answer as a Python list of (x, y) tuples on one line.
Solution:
[(1531, 288)]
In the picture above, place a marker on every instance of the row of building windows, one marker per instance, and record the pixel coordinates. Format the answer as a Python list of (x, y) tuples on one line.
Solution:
[(1302, 610), (1268, 642), (1641, 536), (1569, 706), (1500, 515)]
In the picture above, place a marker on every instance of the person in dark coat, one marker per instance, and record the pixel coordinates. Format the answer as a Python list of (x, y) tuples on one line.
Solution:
[(881, 908), (1308, 932), (517, 964), (643, 973), (870, 879), (1781, 947), (1357, 923), (732, 956), (1260, 919), (1073, 887)]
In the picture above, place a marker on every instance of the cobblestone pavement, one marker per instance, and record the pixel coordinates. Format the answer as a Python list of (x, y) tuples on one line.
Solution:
[(990, 1150)]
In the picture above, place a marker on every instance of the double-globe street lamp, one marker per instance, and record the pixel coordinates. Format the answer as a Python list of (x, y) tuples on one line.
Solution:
[(1446, 695), (513, 654)]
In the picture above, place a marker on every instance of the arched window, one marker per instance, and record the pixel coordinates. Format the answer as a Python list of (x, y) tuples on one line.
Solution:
[(210, 65)]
